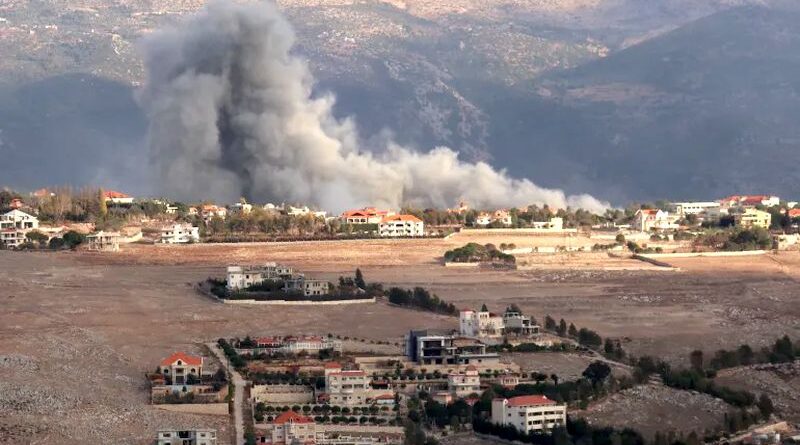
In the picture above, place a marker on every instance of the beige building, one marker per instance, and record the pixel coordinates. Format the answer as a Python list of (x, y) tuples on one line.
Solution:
[(242, 277), (647, 220), (464, 383), (346, 387), (180, 234), (104, 241), (753, 218), (308, 286), (529, 414), (187, 437), (179, 366)]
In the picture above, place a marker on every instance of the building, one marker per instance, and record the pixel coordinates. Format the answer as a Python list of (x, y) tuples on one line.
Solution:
[(647, 220), (529, 414), (793, 213), (710, 210), (309, 287), (290, 428), (14, 226), (498, 216), (555, 224), (242, 208), (427, 347), (399, 226), (117, 198), (104, 241), (520, 324), (295, 344), (737, 201), (242, 277), (464, 383), (187, 437), (179, 366), (480, 324), (347, 387), (367, 215), (209, 211), (752, 217), (180, 234)]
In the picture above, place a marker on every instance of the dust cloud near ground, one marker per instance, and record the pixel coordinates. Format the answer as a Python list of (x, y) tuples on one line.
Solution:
[(78, 330)]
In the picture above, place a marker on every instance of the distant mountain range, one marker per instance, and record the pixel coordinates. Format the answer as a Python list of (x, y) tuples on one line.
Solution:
[(624, 99)]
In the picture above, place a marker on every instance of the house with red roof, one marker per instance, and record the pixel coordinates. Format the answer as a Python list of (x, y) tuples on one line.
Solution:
[(118, 198), (401, 226), (648, 220), (529, 414), (181, 368), (367, 215), (793, 213), (289, 428)]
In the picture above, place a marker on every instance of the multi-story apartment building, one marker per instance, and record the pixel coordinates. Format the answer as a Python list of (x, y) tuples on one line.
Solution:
[(187, 437), (464, 383), (529, 414), (14, 225), (367, 215), (180, 234), (480, 324), (752, 217), (346, 387), (428, 347), (706, 210), (401, 226), (179, 366), (647, 220)]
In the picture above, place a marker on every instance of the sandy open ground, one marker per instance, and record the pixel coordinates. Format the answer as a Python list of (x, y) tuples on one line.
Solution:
[(78, 330)]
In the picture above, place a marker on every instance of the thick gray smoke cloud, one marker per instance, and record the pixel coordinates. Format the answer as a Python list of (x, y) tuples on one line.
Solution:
[(232, 114)]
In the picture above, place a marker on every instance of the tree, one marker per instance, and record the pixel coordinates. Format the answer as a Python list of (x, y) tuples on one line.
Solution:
[(620, 239), (765, 406), (696, 360), (573, 331), (597, 372), (36, 236), (562, 328), (484, 308), (549, 323), (73, 239), (101, 204), (359, 280)]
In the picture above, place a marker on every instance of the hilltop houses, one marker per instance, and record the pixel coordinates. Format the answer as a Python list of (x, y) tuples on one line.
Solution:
[(367, 215), (243, 277), (431, 347), (14, 226), (708, 210), (648, 220), (485, 324), (501, 216), (753, 218)]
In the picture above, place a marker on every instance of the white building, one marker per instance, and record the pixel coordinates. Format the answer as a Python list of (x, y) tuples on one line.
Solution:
[(647, 220), (117, 198), (187, 437), (293, 345), (529, 414), (555, 223), (480, 324), (705, 210), (242, 277), (289, 428), (367, 215), (180, 234), (14, 225), (308, 286), (500, 216), (465, 383), (242, 208), (397, 226)]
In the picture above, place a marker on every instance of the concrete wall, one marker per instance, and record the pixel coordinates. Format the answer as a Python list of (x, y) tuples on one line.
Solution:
[(702, 254), (519, 231), (215, 409), (284, 394), (301, 303)]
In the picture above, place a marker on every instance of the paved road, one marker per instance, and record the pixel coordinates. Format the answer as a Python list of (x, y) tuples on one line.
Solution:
[(238, 393)]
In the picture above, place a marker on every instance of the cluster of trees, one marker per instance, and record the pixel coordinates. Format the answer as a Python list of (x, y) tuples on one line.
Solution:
[(576, 431), (420, 298), (348, 288), (586, 337), (234, 358), (476, 253), (736, 240), (782, 351)]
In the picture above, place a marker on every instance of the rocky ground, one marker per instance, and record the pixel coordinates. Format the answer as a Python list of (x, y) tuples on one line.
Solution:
[(781, 382)]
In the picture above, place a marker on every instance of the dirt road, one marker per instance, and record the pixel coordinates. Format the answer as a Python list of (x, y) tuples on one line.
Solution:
[(238, 393)]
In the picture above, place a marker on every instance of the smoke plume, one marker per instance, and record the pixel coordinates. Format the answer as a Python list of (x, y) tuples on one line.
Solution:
[(231, 114)]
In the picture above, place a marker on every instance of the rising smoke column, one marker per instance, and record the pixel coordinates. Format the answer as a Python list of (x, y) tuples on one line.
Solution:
[(231, 114)]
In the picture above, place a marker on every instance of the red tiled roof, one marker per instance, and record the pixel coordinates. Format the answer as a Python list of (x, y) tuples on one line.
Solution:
[(794, 213), (192, 360), (385, 397), (530, 400), (291, 417), (114, 194), (333, 365)]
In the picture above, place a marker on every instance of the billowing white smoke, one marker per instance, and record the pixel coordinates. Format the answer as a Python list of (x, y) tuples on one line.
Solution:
[(231, 114)]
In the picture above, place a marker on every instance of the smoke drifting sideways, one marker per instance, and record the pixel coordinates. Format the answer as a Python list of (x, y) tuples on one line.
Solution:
[(231, 114)]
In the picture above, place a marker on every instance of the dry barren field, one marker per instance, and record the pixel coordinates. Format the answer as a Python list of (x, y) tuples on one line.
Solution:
[(78, 330)]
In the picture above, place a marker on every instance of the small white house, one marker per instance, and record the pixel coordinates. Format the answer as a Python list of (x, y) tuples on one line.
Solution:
[(180, 234), (397, 226)]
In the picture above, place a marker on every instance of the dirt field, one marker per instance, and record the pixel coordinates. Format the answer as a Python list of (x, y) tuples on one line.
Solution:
[(566, 366), (781, 382), (78, 330)]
